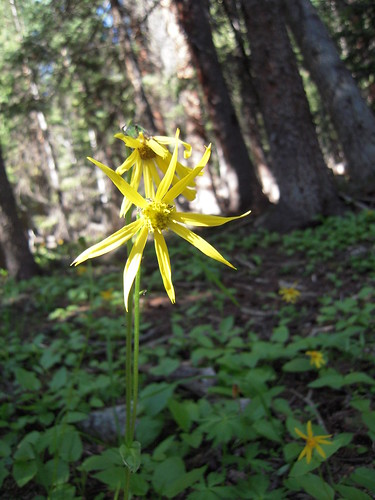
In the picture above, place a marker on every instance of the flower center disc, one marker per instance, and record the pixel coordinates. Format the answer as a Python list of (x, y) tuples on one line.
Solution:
[(158, 215), (146, 153)]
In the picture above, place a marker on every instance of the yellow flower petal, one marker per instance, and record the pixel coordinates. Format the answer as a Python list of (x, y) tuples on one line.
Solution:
[(180, 186), (162, 139), (147, 179), (303, 453), (198, 242), (164, 264), (320, 450), (300, 434), (309, 430), (133, 262), (128, 163), (111, 243), (156, 147), (167, 179), (204, 220), (129, 141), (121, 185), (134, 182)]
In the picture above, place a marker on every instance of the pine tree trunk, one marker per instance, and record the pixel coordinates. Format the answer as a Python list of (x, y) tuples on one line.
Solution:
[(305, 184), (353, 120), (45, 139), (144, 112), (246, 190), (18, 259)]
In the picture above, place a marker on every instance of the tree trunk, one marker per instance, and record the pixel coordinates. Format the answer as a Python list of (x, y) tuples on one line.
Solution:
[(44, 137), (18, 259), (246, 190), (305, 184), (353, 120), (250, 110), (144, 112)]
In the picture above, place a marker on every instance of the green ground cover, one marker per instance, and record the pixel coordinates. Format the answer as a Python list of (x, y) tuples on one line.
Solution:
[(225, 378)]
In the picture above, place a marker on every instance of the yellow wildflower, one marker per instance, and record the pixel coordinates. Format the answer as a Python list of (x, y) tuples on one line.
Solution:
[(107, 294), (81, 270), (150, 155), (316, 358), (312, 442), (290, 294), (155, 216)]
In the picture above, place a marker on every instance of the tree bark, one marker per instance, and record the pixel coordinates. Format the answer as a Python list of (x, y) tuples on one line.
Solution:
[(246, 190), (18, 259), (353, 120), (44, 137), (144, 112), (305, 184)]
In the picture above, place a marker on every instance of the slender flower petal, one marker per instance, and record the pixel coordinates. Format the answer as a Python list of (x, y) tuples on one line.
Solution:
[(133, 263), (111, 243), (199, 243), (122, 185), (205, 220), (164, 264)]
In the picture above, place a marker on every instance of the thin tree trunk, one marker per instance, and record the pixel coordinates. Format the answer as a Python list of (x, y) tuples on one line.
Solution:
[(45, 139), (18, 259), (143, 109), (305, 183), (353, 120), (249, 97), (245, 189)]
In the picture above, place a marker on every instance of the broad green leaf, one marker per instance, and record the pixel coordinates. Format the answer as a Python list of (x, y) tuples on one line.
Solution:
[(269, 430), (280, 334), (365, 477), (107, 459), (350, 493), (113, 476), (166, 473), (155, 397), (181, 414), (27, 379), (3, 471), (148, 429), (165, 367), (336, 381), (358, 378), (23, 472), (70, 448), (297, 365), (55, 471), (184, 482), (315, 486)]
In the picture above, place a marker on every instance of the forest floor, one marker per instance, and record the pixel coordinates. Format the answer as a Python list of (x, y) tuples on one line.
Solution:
[(225, 378)]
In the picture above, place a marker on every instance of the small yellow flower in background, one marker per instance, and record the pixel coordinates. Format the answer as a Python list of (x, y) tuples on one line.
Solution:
[(150, 156), (107, 294), (81, 270), (155, 216), (316, 358), (289, 294), (312, 442)]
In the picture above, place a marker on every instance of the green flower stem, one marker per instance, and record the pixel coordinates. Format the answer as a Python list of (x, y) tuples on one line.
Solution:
[(128, 373), (136, 348)]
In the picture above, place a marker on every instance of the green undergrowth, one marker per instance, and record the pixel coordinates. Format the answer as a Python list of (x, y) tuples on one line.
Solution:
[(225, 378)]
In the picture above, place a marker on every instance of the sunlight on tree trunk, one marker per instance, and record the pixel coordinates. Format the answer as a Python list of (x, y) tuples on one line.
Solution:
[(353, 120), (305, 183)]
